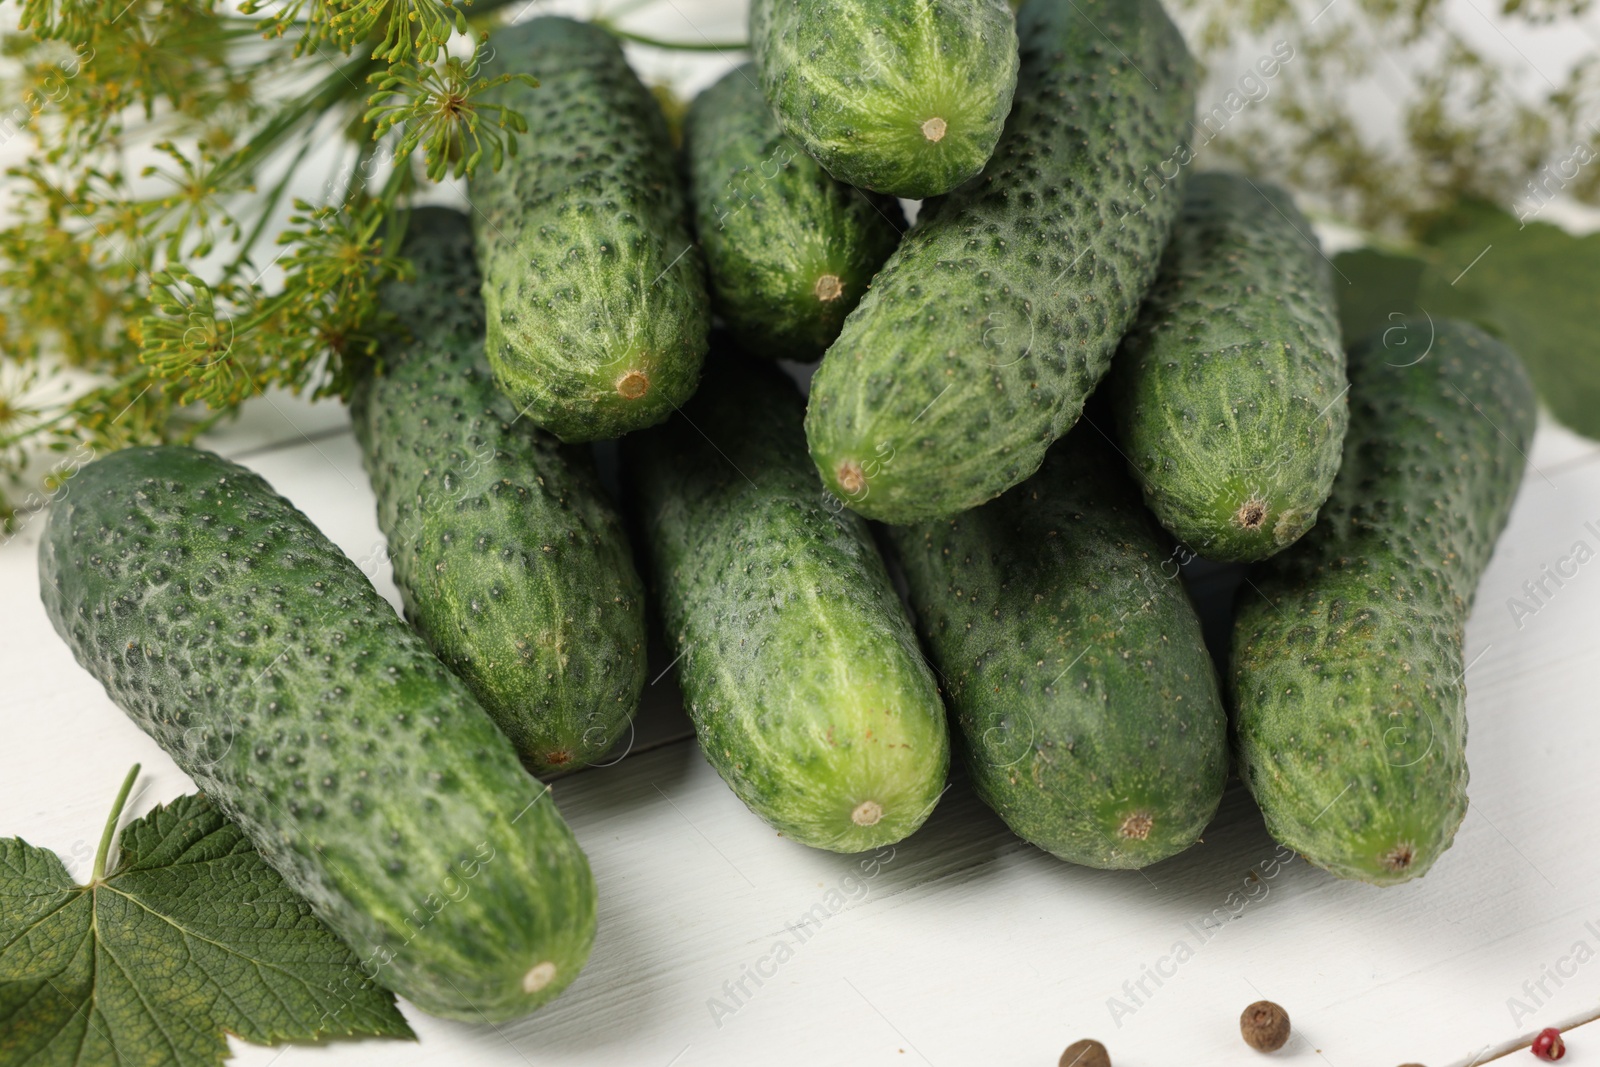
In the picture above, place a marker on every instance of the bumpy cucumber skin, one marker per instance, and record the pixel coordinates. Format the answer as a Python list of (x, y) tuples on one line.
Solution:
[(262, 660), (1085, 703), (595, 295), (858, 82), (802, 674), (790, 250), (987, 329), (1347, 676), (512, 564), (1229, 389)]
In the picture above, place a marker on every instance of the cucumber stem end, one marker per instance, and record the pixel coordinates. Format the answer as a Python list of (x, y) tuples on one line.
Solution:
[(633, 385), (851, 478), (867, 813), (1136, 826), (1400, 857), (539, 976)]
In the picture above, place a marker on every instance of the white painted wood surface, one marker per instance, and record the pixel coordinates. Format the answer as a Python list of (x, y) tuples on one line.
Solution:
[(963, 946)]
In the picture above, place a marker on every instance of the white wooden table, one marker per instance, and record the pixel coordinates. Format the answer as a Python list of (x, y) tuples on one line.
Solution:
[(964, 946)]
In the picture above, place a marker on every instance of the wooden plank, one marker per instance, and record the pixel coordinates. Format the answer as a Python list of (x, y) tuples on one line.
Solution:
[(963, 945), (277, 419)]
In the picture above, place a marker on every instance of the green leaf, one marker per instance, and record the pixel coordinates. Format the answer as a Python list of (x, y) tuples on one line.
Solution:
[(1374, 289), (1532, 284), (190, 935)]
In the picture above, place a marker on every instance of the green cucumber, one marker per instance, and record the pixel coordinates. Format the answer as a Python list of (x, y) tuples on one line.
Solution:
[(905, 97), (1347, 678), (790, 251), (987, 329), (1085, 703), (262, 660), (512, 564), (596, 304), (1229, 389), (800, 669)]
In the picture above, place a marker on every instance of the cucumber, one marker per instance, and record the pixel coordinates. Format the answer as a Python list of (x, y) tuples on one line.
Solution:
[(984, 333), (905, 97), (800, 669), (790, 251), (1085, 703), (512, 564), (1347, 678), (261, 659), (596, 303), (1230, 388)]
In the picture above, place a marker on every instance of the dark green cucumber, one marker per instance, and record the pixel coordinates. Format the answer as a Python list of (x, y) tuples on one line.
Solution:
[(1229, 389), (790, 251), (1347, 678), (262, 660), (512, 564), (801, 671), (987, 329), (906, 97), (1085, 703), (597, 309)]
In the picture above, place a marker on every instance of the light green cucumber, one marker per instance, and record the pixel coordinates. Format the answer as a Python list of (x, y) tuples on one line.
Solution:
[(1230, 388), (801, 671), (1347, 681), (1084, 700), (905, 97), (984, 333), (790, 250), (594, 293), (261, 659), (512, 564)]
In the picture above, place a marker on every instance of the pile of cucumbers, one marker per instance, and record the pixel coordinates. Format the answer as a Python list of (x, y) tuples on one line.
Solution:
[(1082, 364)]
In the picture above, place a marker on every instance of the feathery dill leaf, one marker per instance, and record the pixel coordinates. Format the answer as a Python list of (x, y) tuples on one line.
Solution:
[(1478, 120), (165, 134)]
